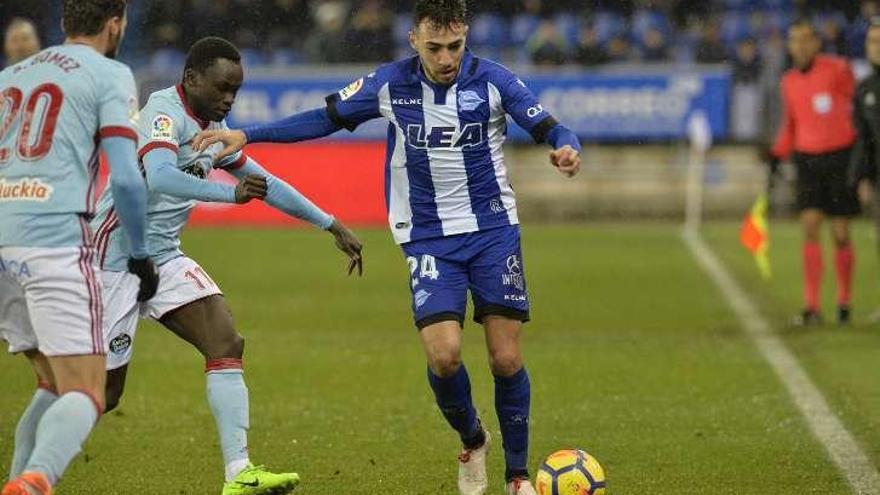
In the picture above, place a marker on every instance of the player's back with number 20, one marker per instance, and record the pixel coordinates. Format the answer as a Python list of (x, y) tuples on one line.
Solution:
[(56, 106)]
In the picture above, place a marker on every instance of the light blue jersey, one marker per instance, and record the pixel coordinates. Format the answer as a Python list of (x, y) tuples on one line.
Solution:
[(165, 122), (54, 108)]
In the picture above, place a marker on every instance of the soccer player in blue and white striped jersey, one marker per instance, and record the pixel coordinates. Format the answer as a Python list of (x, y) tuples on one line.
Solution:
[(452, 210)]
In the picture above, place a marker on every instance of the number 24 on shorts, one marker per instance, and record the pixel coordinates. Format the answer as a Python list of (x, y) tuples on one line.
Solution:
[(428, 268)]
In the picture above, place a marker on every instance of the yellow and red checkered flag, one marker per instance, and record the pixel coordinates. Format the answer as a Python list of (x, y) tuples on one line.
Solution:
[(755, 235)]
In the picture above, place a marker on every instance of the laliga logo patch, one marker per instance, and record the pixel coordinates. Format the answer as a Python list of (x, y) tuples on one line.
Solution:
[(822, 103), (351, 90), (469, 100), (162, 128)]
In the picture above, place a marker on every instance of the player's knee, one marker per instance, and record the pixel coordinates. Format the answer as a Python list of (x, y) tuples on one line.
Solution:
[(505, 362), (230, 347), (445, 362)]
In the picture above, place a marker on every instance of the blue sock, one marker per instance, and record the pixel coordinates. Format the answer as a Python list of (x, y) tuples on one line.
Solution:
[(228, 397), (26, 431), (512, 400), (453, 394), (62, 430)]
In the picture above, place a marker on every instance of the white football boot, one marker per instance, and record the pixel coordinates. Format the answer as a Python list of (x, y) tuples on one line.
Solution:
[(521, 486), (472, 479)]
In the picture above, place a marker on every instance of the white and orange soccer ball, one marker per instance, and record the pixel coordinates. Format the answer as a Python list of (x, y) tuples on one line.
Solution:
[(570, 472)]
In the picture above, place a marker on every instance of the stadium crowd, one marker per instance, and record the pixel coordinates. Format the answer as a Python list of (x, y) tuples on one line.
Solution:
[(540, 32)]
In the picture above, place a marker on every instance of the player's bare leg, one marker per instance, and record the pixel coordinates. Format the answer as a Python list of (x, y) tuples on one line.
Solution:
[(207, 325), (452, 389), (115, 387), (66, 423), (811, 224), (512, 398), (26, 430), (844, 265)]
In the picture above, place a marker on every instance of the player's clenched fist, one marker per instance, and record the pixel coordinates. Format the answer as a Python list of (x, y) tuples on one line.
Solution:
[(233, 141), (251, 187), (567, 160)]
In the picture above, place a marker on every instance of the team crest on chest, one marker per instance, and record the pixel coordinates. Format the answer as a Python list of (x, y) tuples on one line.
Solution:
[(469, 100)]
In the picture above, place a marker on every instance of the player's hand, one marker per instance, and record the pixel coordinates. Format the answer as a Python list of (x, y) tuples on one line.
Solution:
[(145, 270), (251, 187), (567, 160), (866, 192), (233, 141), (349, 244), (770, 160)]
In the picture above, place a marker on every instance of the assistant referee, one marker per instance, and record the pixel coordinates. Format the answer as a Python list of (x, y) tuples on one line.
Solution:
[(817, 132)]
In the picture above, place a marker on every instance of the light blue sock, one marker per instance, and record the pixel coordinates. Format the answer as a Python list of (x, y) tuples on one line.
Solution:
[(61, 433), (26, 431), (228, 397)]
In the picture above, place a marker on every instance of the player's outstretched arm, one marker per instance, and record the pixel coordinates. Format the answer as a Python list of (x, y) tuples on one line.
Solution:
[(165, 178), (300, 127), (130, 200), (284, 197)]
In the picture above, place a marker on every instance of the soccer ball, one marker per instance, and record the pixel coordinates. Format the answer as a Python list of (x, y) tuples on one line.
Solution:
[(571, 472)]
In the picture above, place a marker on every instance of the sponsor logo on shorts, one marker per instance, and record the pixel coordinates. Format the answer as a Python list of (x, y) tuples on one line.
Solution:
[(15, 269), (496, 206), (25, 189), (421, 297), (469, 100), (514, 276), (515, 297), (120, 343)]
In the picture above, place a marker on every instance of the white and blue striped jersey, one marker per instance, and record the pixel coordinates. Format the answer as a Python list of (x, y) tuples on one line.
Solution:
[(445, 171), (54, 108), (166, 121)]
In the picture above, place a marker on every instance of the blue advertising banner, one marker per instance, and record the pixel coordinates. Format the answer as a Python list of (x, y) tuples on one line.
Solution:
[(607, 107)]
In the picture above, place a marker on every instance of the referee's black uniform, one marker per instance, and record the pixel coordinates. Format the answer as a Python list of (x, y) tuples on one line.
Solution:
[(866, 114)]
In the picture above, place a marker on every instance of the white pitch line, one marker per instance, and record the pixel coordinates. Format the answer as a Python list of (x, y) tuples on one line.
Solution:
[(852, 461)]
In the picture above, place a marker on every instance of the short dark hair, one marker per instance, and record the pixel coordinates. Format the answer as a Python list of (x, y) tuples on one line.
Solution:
[(440, 13), (87, 17), (804, 22), (206, 51)]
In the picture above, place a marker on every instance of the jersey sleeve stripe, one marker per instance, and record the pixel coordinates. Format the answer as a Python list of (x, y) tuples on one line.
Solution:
[(238, 163), (118, 131), (154, 145)]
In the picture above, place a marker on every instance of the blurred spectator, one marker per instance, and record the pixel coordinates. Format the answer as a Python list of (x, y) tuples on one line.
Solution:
[(287, 22), (746, 62), (323, 45), (831, 33), (858, 30), (589, 51), (165, 18), (547, 46), (711, 49), (20, 40), (369, 36), (619, 49), (654, 46)]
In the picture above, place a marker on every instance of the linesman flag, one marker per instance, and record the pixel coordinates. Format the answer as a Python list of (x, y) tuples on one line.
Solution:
[(755, 236)]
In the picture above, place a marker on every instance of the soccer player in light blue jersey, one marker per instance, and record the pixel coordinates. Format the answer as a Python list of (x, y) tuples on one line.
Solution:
[(188, 302), (60, 107), (452, 210)]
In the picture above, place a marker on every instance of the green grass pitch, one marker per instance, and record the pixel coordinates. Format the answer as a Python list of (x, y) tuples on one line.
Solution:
[(633, 355)]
